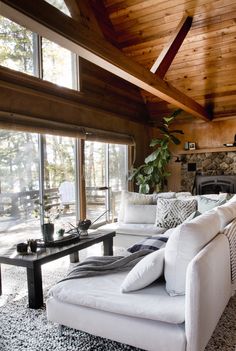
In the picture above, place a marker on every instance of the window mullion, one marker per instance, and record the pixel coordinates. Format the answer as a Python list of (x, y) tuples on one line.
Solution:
[(107, 183), (41, 176), (37, 55)]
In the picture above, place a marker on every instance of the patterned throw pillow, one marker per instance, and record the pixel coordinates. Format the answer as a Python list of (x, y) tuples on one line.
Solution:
[(173, 212), (151, 243)]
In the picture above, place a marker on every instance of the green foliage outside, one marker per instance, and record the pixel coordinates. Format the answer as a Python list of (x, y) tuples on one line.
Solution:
[(152, 175)]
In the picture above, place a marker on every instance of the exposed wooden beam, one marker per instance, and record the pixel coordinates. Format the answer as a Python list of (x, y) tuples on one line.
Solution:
[(163, 62), (54, 25), (87, 16)]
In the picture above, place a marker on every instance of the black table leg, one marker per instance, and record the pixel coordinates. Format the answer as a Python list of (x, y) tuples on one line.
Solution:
[(74, 257), (0, 281), (108, 247), (35, 288)]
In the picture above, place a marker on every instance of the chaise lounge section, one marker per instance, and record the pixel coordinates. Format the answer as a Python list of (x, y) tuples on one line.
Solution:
[(177, 312)]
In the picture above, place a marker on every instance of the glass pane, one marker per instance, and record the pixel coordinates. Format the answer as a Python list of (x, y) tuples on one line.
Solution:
[(117, 175), (59, 180), (57, 64), (60, 5), (16, 46), (19, 184), (95, 175)]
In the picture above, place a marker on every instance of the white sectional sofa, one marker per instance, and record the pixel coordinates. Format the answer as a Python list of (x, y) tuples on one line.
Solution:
[(177, 312), (138, 213)]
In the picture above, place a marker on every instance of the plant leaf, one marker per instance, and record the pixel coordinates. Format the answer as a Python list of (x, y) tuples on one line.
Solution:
[(175, 140), (152, 157), (148, 170), (155, 142), (144, 188), (168, 119), (177, 131)]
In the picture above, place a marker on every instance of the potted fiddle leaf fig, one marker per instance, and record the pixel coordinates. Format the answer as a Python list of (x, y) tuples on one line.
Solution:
[(152, 175)]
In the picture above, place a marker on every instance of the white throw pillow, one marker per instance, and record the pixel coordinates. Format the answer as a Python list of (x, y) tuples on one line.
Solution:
[(227, 213), (132, 198), (172, 212), (144, 272), (183, 244), (140, 214)]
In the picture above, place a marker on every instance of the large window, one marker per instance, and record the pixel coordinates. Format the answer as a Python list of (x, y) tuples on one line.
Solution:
[(19, 181), (16, 46), (25, 51), (58, 64), (105, 177), (60, 177), (41, 171)]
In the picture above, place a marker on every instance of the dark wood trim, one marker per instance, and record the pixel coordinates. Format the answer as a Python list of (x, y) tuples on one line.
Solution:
[(66, 32), (164, 60), (82, 180)]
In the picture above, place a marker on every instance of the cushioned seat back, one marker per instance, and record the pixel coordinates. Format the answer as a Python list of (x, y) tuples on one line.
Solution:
[(184, 243)]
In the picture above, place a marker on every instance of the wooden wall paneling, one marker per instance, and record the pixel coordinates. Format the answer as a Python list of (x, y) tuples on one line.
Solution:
[(167, 13), (154, 31), (109, 82), (195, 55), (112, 104), (209, 43), (97, 50)]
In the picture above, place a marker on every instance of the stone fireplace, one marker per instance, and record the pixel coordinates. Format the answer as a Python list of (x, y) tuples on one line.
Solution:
[(208, 172)]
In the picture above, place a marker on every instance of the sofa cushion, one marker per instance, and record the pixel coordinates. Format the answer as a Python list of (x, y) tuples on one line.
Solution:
[(142, 230), (132, 198), (206, 203), (144, 272), (183, 195), (152, 243), (140, 214), (183, 244), (103, 293), (172, 212), (227, 213)]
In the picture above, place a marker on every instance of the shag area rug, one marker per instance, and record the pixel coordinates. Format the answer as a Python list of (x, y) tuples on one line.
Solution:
[(24, 329)]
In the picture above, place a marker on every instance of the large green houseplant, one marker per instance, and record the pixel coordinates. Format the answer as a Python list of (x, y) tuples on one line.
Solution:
[(152, 175)]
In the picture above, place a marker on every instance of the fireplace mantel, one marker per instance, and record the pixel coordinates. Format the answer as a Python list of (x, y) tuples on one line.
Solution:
[(202, 151)]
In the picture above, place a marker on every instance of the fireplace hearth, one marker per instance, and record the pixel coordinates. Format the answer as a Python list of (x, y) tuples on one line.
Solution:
[(215, 184)]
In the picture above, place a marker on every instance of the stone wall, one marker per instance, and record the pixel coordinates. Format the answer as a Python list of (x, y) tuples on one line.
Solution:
[(212, 163)]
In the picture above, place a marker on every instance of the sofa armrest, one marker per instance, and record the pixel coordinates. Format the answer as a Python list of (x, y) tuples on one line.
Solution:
[(208, 290)]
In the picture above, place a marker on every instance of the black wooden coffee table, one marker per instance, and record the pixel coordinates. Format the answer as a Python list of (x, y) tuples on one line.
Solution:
[(33, 262)]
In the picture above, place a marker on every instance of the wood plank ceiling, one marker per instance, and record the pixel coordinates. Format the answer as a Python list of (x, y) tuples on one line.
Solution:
[(205, 65)]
